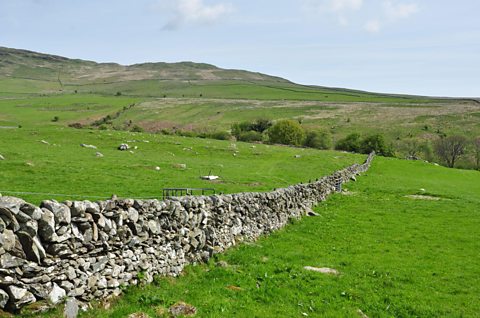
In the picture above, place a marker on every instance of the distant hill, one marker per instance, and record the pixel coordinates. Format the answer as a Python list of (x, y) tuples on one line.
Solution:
[(23, 71), (28, 65)]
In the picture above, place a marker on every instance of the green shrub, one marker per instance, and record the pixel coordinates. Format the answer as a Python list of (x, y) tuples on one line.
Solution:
[(376, 143), (137, 128), (249, 136), (287, 132), (318, 139), (220, 135), (350, 143)]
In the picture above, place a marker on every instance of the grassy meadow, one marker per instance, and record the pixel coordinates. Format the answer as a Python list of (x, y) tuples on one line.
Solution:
[(404, 237)]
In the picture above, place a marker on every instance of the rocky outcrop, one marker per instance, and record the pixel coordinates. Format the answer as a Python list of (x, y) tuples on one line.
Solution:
[(88, 250)]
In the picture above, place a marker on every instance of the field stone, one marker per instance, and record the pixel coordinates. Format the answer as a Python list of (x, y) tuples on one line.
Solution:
[(323, 270), (71, 308), (9, 261), (60, 211), (57, 294), (20, 296), (3, 298), (8, 238), (2, 157)]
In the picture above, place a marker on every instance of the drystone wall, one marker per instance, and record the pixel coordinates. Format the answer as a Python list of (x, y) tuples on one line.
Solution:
[(89, 250)]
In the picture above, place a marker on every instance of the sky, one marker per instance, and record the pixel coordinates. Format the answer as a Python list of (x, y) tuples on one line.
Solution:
[(423, 47)]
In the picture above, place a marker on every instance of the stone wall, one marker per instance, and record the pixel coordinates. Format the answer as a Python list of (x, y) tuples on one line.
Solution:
[(89, 250)]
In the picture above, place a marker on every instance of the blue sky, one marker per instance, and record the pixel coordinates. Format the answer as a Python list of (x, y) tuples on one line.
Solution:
[(422, 47)]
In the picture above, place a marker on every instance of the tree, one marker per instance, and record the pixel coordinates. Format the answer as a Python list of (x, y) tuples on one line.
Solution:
[(350, 143), (261, 124), (450, 149), (375, 143), (287, 132), (476, 149), (318, 139)]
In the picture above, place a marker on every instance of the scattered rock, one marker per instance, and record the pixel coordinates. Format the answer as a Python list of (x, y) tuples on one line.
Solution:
[(88, 146), (44, 142), (323, 270), (157, 168), (99, 154), (182, 309), (209, 177), (2, 157), (123, 147), (361, 313), (297, 156), (71, 308)]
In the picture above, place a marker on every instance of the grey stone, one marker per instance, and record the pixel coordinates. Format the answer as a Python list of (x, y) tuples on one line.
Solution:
[(102, 283), (132, 215), (20, 296), (46, 226), (60, 211), (8, 239), (3, 298), (57, 294), (9, 261), (31, 246), (32, 211), (71, 308), (9, 218), (31, 227)]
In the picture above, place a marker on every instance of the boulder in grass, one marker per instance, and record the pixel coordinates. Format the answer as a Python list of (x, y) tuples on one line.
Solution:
[(123, 147)]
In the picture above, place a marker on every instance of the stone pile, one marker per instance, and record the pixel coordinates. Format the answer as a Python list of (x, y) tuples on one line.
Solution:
[(90, 250)]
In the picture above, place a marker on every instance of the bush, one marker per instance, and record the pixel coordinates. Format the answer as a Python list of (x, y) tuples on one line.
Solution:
[(350, 143), (376, 143), (287, 132), (249, 136), (136, 128), (238, 128), (260, 125), (318, 139), (55, 119), (220, 135)]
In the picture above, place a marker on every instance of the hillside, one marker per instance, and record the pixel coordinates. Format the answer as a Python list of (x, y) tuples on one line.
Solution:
[(197, 98), (23, 71)]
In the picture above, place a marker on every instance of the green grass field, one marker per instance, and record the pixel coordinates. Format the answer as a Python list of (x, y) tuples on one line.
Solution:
[(404, 236), (397, 256)]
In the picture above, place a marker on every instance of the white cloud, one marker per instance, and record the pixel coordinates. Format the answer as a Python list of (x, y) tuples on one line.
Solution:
[(196, 12), (338, 6), (340, 9), (342, 5), (396, 10), (373, 26)]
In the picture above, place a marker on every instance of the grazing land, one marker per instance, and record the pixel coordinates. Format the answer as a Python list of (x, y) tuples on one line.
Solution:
[(398, 256), (403, 237)]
